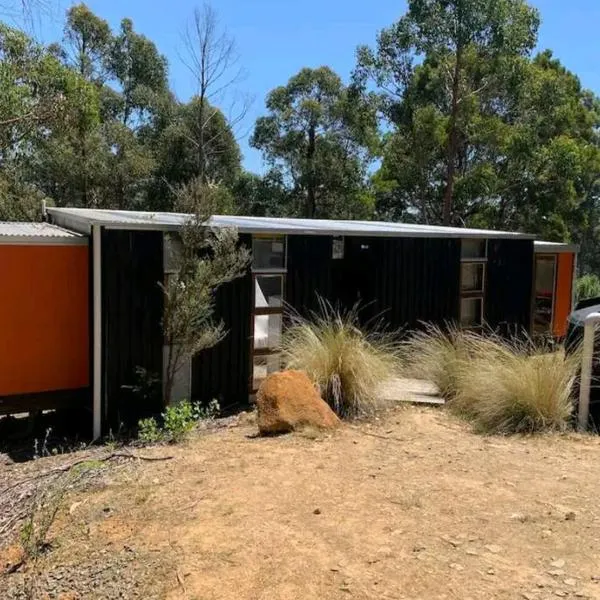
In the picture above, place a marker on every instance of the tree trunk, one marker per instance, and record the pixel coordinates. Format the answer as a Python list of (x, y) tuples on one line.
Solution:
[(452, 148), (310, 158)]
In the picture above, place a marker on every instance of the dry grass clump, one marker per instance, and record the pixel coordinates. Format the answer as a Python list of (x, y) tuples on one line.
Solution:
[(502, 385), (348, 363)]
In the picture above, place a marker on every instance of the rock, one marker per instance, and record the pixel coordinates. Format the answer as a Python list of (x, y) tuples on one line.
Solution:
[(287, 401), (546, 532), (570, 581), (556, 572), (491, 571), (456, 567), (528, 596), (559, 563), (560, 593), (471, 552), (317, 511), (570, 515), (518, 517), (493, 548)]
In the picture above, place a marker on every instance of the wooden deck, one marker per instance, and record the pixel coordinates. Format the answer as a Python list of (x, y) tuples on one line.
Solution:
[(415, 391)]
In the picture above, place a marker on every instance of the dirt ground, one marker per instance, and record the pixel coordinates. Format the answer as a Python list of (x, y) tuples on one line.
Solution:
[(412, 506)]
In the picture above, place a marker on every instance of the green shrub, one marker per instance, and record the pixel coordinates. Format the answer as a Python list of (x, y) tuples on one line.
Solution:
[(347, 363), (587, 286), (149, 432), (178, 421)]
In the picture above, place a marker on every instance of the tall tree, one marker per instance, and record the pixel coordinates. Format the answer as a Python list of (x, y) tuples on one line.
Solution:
[(177, 151), (319, 135), (438, 62), (212, 59)]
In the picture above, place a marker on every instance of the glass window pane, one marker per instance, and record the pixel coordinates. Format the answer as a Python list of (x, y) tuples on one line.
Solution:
[(542, 316), (268, 291), (471, 312), (471, 277), (267, 331), (268, 253), (263, 366), (472, 248), (544, 276)]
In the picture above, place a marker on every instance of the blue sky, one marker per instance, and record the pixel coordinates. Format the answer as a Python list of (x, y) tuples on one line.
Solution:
[(276, 38)]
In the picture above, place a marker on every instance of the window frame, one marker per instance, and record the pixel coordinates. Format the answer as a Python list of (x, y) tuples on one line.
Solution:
[(554, 259), (473, 294), (256, 272)]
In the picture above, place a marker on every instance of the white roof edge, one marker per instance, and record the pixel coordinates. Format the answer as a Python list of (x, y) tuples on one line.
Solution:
[(541, 246), (140, 220)]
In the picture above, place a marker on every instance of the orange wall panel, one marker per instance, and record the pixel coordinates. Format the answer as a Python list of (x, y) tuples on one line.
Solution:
[(564, 293), (44, 326)]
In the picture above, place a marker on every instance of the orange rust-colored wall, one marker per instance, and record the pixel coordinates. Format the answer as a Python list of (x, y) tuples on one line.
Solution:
[(44, 328), (564, 292)]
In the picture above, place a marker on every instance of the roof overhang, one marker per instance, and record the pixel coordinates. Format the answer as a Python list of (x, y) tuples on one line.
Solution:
[(83, 219), (554, 248)]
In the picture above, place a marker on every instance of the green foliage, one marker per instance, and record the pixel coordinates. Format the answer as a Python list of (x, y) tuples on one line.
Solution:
[(479, 133), (318, 138), (178, 421), (149, 431), (347, 362), (204, 261), (587, 286)]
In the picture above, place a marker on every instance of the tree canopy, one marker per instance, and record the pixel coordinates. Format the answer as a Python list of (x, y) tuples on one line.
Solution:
[(450, 117)]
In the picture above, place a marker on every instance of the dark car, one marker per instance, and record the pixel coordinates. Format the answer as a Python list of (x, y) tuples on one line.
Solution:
[(574, 337)]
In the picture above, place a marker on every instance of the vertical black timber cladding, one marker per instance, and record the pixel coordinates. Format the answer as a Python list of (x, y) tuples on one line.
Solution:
[(311, 272), (132, 309), (403, 281), (223, 372), (509, 285), (399, 280)]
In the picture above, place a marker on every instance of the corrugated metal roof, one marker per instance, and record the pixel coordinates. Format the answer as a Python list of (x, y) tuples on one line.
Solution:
[(121, 219), (25, 232)]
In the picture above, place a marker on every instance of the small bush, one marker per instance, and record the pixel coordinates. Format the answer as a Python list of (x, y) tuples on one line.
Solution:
[(149, 432), (178, 421), (520, 389), (435, 354), (503, 386), (348, 364), (587, 286)]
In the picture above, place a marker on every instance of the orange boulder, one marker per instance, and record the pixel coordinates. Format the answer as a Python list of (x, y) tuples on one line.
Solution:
[(288, 400)]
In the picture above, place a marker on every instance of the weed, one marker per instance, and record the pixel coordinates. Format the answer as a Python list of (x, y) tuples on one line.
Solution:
[(178, 421)]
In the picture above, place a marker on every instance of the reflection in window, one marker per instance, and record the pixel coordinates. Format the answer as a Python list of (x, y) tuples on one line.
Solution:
[(471, 311), (268, 291), (268, 253), (471, 279), (545, 273), (267, 331)]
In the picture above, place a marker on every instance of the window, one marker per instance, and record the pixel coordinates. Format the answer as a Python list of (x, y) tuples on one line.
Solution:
[(471, 279), (268, 290), (268, 253), (268, 273), (473, 265), (471, 312), (545, 277)]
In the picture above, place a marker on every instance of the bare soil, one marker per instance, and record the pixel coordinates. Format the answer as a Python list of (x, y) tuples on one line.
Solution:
[(412, 506)]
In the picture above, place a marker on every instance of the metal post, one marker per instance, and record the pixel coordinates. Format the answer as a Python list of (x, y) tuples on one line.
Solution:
[(97, 332), (589, 331)]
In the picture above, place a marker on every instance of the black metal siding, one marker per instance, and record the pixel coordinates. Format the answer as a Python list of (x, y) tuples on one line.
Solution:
[(509, 285), (223, 372), (400, 280), (132, 309)]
